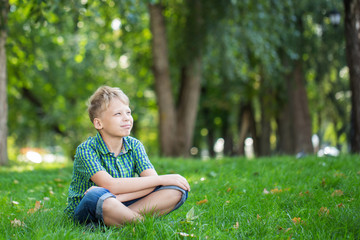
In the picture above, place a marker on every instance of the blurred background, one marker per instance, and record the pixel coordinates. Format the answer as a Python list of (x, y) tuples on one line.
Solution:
[(205, 78)]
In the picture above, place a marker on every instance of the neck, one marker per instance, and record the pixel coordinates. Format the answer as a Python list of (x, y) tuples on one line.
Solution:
[(114, 144)]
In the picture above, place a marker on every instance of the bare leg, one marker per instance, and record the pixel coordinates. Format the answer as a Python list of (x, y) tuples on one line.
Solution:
[(116, 213), (160, 202)]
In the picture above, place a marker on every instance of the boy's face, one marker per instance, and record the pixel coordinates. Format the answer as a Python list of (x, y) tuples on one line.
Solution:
[(115, 121)]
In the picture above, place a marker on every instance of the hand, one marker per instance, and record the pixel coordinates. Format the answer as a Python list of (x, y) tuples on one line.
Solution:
[(90, 189), (175, 179)]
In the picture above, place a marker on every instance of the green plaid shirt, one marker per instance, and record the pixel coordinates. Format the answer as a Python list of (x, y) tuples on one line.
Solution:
[(93, 155)]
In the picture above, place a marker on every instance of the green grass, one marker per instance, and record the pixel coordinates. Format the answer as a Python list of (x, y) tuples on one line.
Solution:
[(322, 195)]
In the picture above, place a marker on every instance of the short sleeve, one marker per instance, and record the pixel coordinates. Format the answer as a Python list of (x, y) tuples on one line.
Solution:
[(142, 161), (87, 162)]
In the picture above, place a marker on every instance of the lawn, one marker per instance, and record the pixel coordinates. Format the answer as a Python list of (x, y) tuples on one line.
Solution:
[(231, 198)]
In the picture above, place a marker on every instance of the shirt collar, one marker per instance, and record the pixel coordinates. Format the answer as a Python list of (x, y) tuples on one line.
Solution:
[(126, 145), (105, 150), (102, 145)]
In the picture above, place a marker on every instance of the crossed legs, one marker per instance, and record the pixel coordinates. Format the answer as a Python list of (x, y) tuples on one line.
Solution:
[(160, 202)]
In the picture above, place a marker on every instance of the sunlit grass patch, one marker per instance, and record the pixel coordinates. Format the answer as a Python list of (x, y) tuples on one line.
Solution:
[(230, 198)]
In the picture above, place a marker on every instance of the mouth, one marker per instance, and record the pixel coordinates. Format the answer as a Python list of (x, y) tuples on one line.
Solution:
[(126, 126)]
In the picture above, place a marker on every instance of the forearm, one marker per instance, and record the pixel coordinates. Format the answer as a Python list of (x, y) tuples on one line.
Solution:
[(131, 185), (133, 195)]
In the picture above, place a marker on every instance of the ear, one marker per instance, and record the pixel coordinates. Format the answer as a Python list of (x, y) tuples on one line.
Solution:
[(98, 124)]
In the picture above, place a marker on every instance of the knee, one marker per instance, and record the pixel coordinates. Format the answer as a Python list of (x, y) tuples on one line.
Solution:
[(97, 191), (173, 195)]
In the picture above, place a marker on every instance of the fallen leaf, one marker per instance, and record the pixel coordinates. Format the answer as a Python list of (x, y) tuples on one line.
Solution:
[(258, 217), (36, 208), (229, 189), (285, 230), (202, 201), (17, 223), (301, 194), (185, 234), (236, 226), (339, 174), (323, 212), (276, 190), (16, 181), (323, 182), (337, 193), (190, 215), (57, 180), (340, 205), (297, 220)]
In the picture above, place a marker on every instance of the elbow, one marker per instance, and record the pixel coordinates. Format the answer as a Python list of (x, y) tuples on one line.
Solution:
[(109, 186)]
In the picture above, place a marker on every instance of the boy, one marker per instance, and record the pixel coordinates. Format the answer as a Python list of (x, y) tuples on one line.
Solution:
[(104, 187)]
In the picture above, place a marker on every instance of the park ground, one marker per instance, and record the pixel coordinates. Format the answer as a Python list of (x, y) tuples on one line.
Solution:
[(230, 198)]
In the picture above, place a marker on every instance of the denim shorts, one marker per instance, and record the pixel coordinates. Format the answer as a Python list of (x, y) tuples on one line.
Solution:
[(89, 209)]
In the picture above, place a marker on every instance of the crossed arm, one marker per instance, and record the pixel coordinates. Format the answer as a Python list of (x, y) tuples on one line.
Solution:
[(127, 189)]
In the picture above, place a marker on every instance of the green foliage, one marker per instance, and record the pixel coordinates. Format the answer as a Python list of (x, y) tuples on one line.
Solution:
[(280, 198), (59, 53)]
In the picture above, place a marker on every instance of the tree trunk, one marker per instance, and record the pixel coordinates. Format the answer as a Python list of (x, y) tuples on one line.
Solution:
[(285, 134), (265, 108), (227, 134), (301, 116), (284, 119), (188, 107), (167, 114), (352, 35), (4, 8), (264, 139), (244, 129), (210, 138), (176, 126)]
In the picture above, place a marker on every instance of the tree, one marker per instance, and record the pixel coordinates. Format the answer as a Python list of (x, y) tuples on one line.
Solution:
[(4, 9), (352, 33), (177, 118)]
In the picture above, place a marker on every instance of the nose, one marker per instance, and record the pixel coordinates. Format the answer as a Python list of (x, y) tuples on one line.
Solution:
[(127, 117)]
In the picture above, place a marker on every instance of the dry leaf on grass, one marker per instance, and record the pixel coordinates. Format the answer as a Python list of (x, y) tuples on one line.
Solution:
[(185, 234), (340, 205), (17, 223), (202, 201), (323, 212), (276, 190), (283, 229), (36, 208), (337, 193), (301, 194), (297, 220), (236, 226)]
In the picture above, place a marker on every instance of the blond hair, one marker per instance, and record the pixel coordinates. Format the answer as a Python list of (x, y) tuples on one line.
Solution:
[(101, 98)]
